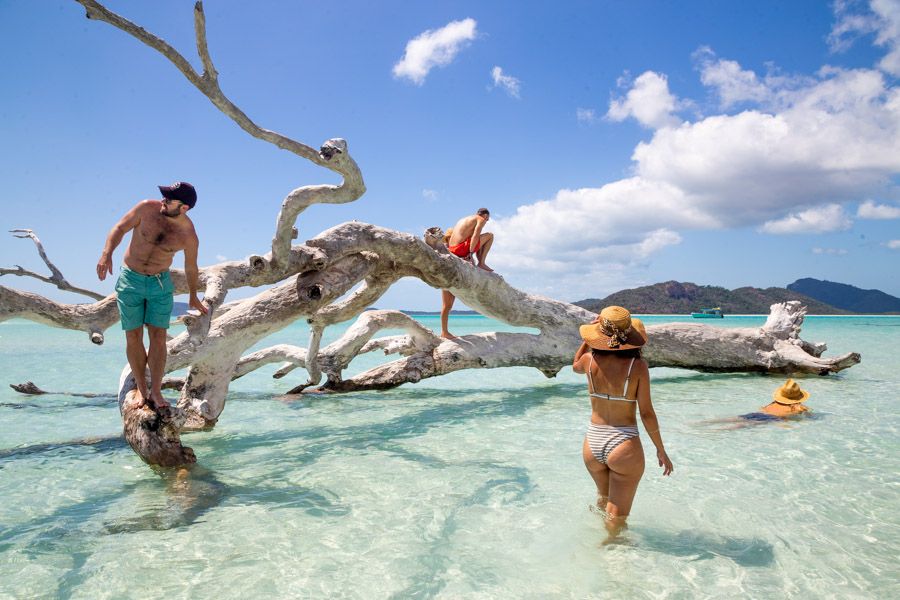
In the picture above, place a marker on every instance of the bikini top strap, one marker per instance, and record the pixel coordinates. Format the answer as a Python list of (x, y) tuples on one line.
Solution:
[(590, 368), (628, 379)]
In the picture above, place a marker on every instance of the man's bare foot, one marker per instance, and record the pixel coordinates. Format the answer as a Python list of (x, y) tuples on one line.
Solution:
[(447, 335), (485, 267), (158, 404)]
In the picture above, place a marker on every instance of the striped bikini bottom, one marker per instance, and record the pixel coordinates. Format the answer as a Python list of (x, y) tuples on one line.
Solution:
[(603, 439)]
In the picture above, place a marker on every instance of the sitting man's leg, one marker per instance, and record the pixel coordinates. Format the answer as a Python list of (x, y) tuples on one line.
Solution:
[(447, 300), (484, 246)]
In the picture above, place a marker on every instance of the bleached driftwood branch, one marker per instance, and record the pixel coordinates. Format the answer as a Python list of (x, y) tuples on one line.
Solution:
[(93, 318), (56, 277)]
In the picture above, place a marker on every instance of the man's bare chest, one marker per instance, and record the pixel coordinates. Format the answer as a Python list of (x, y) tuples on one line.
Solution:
[(157, 233)]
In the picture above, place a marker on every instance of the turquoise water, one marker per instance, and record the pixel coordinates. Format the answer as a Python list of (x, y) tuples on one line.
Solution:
[(470, 485)]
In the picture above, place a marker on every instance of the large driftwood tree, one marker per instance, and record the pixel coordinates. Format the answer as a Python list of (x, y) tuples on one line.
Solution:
[(308, 280)]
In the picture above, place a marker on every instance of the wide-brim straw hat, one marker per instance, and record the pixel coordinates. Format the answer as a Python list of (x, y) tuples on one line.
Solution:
[(614, 331), (790, 393)]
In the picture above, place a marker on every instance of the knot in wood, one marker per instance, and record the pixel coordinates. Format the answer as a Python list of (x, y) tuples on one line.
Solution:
[(332, 147), (257, 263)]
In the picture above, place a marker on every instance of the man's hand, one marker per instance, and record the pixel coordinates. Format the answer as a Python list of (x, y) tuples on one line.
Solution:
[(195, 303), (104, 266)]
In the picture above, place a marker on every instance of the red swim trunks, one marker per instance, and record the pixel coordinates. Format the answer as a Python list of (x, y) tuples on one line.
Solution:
[(462, 249)]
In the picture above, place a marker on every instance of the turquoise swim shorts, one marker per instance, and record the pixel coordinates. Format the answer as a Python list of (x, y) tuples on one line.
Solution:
[(144, 299)]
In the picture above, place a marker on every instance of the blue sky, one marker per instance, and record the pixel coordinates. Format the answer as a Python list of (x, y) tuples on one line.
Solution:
[(616, 144)]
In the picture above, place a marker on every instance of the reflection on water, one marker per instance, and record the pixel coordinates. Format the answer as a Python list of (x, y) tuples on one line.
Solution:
[(699, 545), (189, 494)]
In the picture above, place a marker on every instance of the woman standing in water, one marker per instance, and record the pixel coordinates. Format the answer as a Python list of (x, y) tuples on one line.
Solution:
[(619, 387)]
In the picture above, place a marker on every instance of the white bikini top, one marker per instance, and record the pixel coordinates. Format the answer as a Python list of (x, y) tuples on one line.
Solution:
[(607, 396)]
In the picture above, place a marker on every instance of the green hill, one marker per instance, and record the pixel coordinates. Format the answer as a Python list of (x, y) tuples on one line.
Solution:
[(847, 297), (673, 297)]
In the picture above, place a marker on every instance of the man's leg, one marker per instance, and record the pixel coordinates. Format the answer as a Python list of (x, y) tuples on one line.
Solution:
[(447, 300), (137, 358), (156, 358), (485, 240)]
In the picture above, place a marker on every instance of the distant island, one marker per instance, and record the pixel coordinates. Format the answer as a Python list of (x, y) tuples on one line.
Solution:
[(820, 298), (847, 297)]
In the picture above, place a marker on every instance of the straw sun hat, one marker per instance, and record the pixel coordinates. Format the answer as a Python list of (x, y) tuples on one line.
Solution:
[(614, 330), (790, 393)]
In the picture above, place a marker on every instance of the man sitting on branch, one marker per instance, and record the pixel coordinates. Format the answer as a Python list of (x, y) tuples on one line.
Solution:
[(467, 242)]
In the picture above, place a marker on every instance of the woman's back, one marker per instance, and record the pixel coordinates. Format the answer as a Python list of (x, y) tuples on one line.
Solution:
[(612, 384)]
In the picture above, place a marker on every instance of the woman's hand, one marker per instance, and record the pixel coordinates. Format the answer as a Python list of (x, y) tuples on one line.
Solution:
[(664, 462)]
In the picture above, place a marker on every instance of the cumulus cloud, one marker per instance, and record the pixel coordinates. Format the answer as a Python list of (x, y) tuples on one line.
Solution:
[(649, 102), (832, 141), (893, 244), (870, 210), (814, 220), (800, 152), (832, 251), (221, 257), (882, 19), (732, 83), (430, 195), (434, 48), (586, 115), (506, 82)]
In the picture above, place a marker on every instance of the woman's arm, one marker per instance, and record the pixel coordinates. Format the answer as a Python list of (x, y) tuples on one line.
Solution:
[(648, 416), (582, 351)]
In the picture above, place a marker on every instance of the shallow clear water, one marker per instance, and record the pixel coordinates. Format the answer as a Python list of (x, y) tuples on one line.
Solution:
[(470, 485)]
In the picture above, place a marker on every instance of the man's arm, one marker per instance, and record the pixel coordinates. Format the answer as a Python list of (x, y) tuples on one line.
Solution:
[(131, 220), (193, 273), (476, 234)]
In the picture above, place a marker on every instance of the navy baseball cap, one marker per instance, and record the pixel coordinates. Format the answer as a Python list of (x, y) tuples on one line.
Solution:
[(181, 191)]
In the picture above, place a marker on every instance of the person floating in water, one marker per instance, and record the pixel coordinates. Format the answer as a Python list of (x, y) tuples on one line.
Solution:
[(466, 241), (787, 402), (144, 289), (610, 356)]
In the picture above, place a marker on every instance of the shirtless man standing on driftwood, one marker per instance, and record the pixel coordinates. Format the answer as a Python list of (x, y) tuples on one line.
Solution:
[(467, 242), (144, 289)]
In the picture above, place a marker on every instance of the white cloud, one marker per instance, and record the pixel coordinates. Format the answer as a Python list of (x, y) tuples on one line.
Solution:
[(430, 195), (609, 229), (221, 257), (509, 83), (648, 101), (586, 115), (434, 48), (732, 83), (832, 141), (870, 210), (814, 220), (882, 19), (803, 151), (893, 244)]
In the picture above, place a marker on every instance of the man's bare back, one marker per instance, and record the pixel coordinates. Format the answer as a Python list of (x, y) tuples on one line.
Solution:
[(464, 229), (157, 238)]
